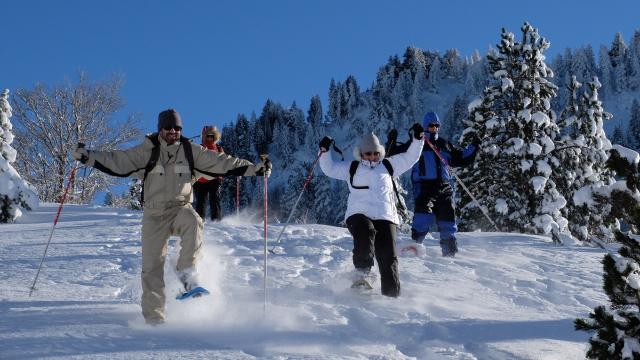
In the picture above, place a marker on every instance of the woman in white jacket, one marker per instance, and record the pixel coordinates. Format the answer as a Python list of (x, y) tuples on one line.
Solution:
[(371, 214)]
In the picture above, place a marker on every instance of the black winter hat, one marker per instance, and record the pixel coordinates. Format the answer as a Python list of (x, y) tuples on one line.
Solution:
[(169, 117)]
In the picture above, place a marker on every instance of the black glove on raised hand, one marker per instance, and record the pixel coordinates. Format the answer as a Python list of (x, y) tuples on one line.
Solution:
[(81, 154), (392, 135), (416, 131), (264, 167), (325, 143)]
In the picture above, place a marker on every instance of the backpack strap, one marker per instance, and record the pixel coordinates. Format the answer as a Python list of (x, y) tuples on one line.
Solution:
[(387, 164), (352, 172), (188, 153), (153, 160)]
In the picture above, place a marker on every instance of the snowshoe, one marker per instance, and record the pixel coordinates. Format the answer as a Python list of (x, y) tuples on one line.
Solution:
[(193, 293)]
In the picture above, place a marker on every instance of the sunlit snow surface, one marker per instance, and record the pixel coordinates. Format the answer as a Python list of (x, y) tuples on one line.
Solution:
[(504, 296)]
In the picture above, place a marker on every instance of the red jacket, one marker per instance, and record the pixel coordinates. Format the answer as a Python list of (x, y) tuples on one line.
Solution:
[(213, 147)]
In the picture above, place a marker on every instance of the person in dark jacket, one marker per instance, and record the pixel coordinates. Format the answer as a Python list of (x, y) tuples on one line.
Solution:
[(205, 189), (431, 180)]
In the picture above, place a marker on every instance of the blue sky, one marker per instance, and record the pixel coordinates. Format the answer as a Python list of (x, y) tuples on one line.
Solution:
[(211, 60)]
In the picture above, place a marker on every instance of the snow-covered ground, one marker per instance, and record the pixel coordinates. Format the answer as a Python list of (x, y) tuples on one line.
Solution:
[(505, 296)]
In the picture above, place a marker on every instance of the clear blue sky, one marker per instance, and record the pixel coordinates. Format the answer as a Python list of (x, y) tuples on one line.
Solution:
[(211, 60)]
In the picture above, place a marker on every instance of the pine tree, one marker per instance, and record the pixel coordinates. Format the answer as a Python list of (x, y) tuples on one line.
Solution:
[(617, 326), (618, 137), (282, 143), (606, 73), (323, 205), (583, 66), (582, 154), (108, 199), (15, 193), (134, 195), (617, 57), (512, 172), (435, 74), (243, 136), (633, 134), (634, 61), (453, 124), (315, 122)]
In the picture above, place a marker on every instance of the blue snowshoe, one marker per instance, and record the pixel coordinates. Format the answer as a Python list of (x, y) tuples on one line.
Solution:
[(193, 293)]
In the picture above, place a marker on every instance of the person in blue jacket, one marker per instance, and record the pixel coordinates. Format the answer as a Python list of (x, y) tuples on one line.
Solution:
[(432, 190)]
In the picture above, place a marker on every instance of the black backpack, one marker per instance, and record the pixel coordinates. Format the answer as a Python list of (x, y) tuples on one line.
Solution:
[(387, 165)]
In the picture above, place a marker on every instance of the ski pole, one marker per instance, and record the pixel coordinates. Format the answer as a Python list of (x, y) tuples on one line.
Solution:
[(295, 205), (265, 195), (484, 212), (55, 221), (238, 196)]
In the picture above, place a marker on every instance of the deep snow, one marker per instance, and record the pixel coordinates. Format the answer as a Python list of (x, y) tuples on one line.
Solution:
[(504, 296)]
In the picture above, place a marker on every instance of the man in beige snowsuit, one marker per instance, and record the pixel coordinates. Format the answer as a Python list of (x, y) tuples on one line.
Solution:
[(168, 195)]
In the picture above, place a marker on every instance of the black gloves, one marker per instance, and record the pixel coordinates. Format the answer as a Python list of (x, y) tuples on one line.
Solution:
[(392, 136), (264, 168), (416, 131), (325, 143), (81, 154)]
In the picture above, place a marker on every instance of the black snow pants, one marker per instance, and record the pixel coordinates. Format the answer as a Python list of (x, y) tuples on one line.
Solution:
[(376, 238), (212, 190)]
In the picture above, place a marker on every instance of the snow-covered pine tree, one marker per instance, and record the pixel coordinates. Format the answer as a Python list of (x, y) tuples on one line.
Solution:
[(633, 65), (633, 133), (618, 136), (617, 326), (606, 73), (420, 90), (133, 197), (512, 171), (315, 129), (453, 124), (108, 199), (583, 154), (323, 204), (435, 74), (583, 65), (617, 57), (282, 145), (15, 193)]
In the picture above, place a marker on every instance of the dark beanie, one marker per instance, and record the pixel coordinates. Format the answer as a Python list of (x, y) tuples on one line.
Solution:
[(169, 117)]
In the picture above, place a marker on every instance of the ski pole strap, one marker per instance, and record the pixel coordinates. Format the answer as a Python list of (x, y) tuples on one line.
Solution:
[(335, 148)]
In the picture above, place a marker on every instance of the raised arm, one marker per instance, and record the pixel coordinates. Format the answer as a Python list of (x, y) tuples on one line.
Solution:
[(121, 163), (404, 161), (331, 168)]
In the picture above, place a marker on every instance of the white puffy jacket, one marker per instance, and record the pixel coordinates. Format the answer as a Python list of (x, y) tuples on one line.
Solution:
[(378, 201)]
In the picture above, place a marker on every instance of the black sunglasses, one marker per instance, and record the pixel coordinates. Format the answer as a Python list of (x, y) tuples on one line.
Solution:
[(176, 128), (369, 153), (211, 136), (434, 125)]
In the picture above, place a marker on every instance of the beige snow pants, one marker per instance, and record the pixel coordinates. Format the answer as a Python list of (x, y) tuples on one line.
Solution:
[(157, 226)]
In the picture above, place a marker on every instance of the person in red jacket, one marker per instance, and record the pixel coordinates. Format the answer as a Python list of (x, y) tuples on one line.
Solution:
[(211, 188)]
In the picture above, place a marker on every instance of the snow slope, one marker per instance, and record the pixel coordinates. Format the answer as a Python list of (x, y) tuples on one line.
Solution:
[(505, 296)]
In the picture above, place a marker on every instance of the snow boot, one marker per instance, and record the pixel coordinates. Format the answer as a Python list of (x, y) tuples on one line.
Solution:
[(363, 278), (449, 247)]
